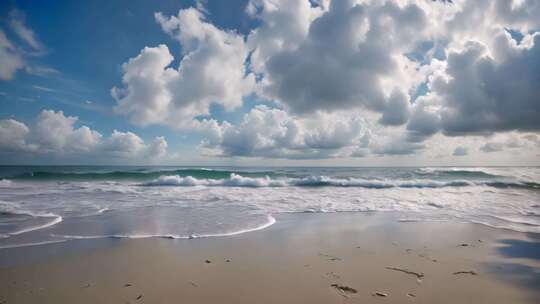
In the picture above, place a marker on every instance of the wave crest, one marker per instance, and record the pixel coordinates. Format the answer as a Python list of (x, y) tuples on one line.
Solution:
[(236, 180), (201, 173), (456, 172)]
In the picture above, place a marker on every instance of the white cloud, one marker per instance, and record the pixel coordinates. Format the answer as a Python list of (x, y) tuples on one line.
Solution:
[(284, 25), (14, 56), (262, 132), (487, 82), (488, 93), (41, 70), (42, 88), (123, 144), (13, 136), (211, 71), (273, 133), (158, 148), (351, 57), (10, 60), (55, 134), (16, 21), (348, 78)]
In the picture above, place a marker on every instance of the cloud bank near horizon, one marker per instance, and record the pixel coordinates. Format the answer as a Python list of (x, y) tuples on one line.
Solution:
[(55, 135)]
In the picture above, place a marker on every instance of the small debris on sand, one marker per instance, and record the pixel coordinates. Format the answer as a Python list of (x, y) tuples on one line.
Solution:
[(333, 275), (330, 257), (139, 297), (344, 289), (464, 245), (380, 294), (193, 284), (127, 285), (424, 256), (419, 275), (86, 285), (208, 261), (471, 272), (227, 261), (412, 295)]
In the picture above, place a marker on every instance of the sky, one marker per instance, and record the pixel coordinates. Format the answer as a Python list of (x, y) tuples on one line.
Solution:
[(270, 82)]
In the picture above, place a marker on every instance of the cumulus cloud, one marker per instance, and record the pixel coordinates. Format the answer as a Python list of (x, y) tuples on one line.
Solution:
[(271, 132), (158, 148), (13, 136), (123, 144), (284, 25), (352, 56), (345, 78), (424, 121), (55, 134), (487, 82), (211, 71), (488, 93)]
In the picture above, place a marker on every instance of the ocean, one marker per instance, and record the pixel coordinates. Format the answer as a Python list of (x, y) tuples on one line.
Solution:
[(48, 204)]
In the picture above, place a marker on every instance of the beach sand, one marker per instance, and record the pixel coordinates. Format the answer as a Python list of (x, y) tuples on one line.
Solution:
[(303, 258)]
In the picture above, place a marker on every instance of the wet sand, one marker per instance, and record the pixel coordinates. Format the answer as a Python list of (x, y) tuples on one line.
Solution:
[(303, 258)]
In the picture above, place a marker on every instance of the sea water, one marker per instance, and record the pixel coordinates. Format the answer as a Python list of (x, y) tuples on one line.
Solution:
[(40, 205)]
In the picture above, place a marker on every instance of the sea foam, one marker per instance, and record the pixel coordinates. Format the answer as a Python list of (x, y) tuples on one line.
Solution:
[(236, 180)]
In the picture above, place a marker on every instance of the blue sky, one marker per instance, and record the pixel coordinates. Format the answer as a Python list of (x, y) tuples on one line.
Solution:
[(245, 82), (87, 43)]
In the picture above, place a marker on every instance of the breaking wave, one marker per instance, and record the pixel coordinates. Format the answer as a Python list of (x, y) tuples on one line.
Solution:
[(140, 174), (457, 172), (236, 180)]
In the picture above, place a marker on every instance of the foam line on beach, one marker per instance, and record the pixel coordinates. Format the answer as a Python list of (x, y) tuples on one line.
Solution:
[(57, 219), (31, 244), (270, 221), (14, 209)]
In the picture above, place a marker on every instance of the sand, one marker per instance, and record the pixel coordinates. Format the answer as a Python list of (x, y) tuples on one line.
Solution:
[(303, 258)]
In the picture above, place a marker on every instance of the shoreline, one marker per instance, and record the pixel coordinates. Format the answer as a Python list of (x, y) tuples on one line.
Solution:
[(306, 257), (271, 220)]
